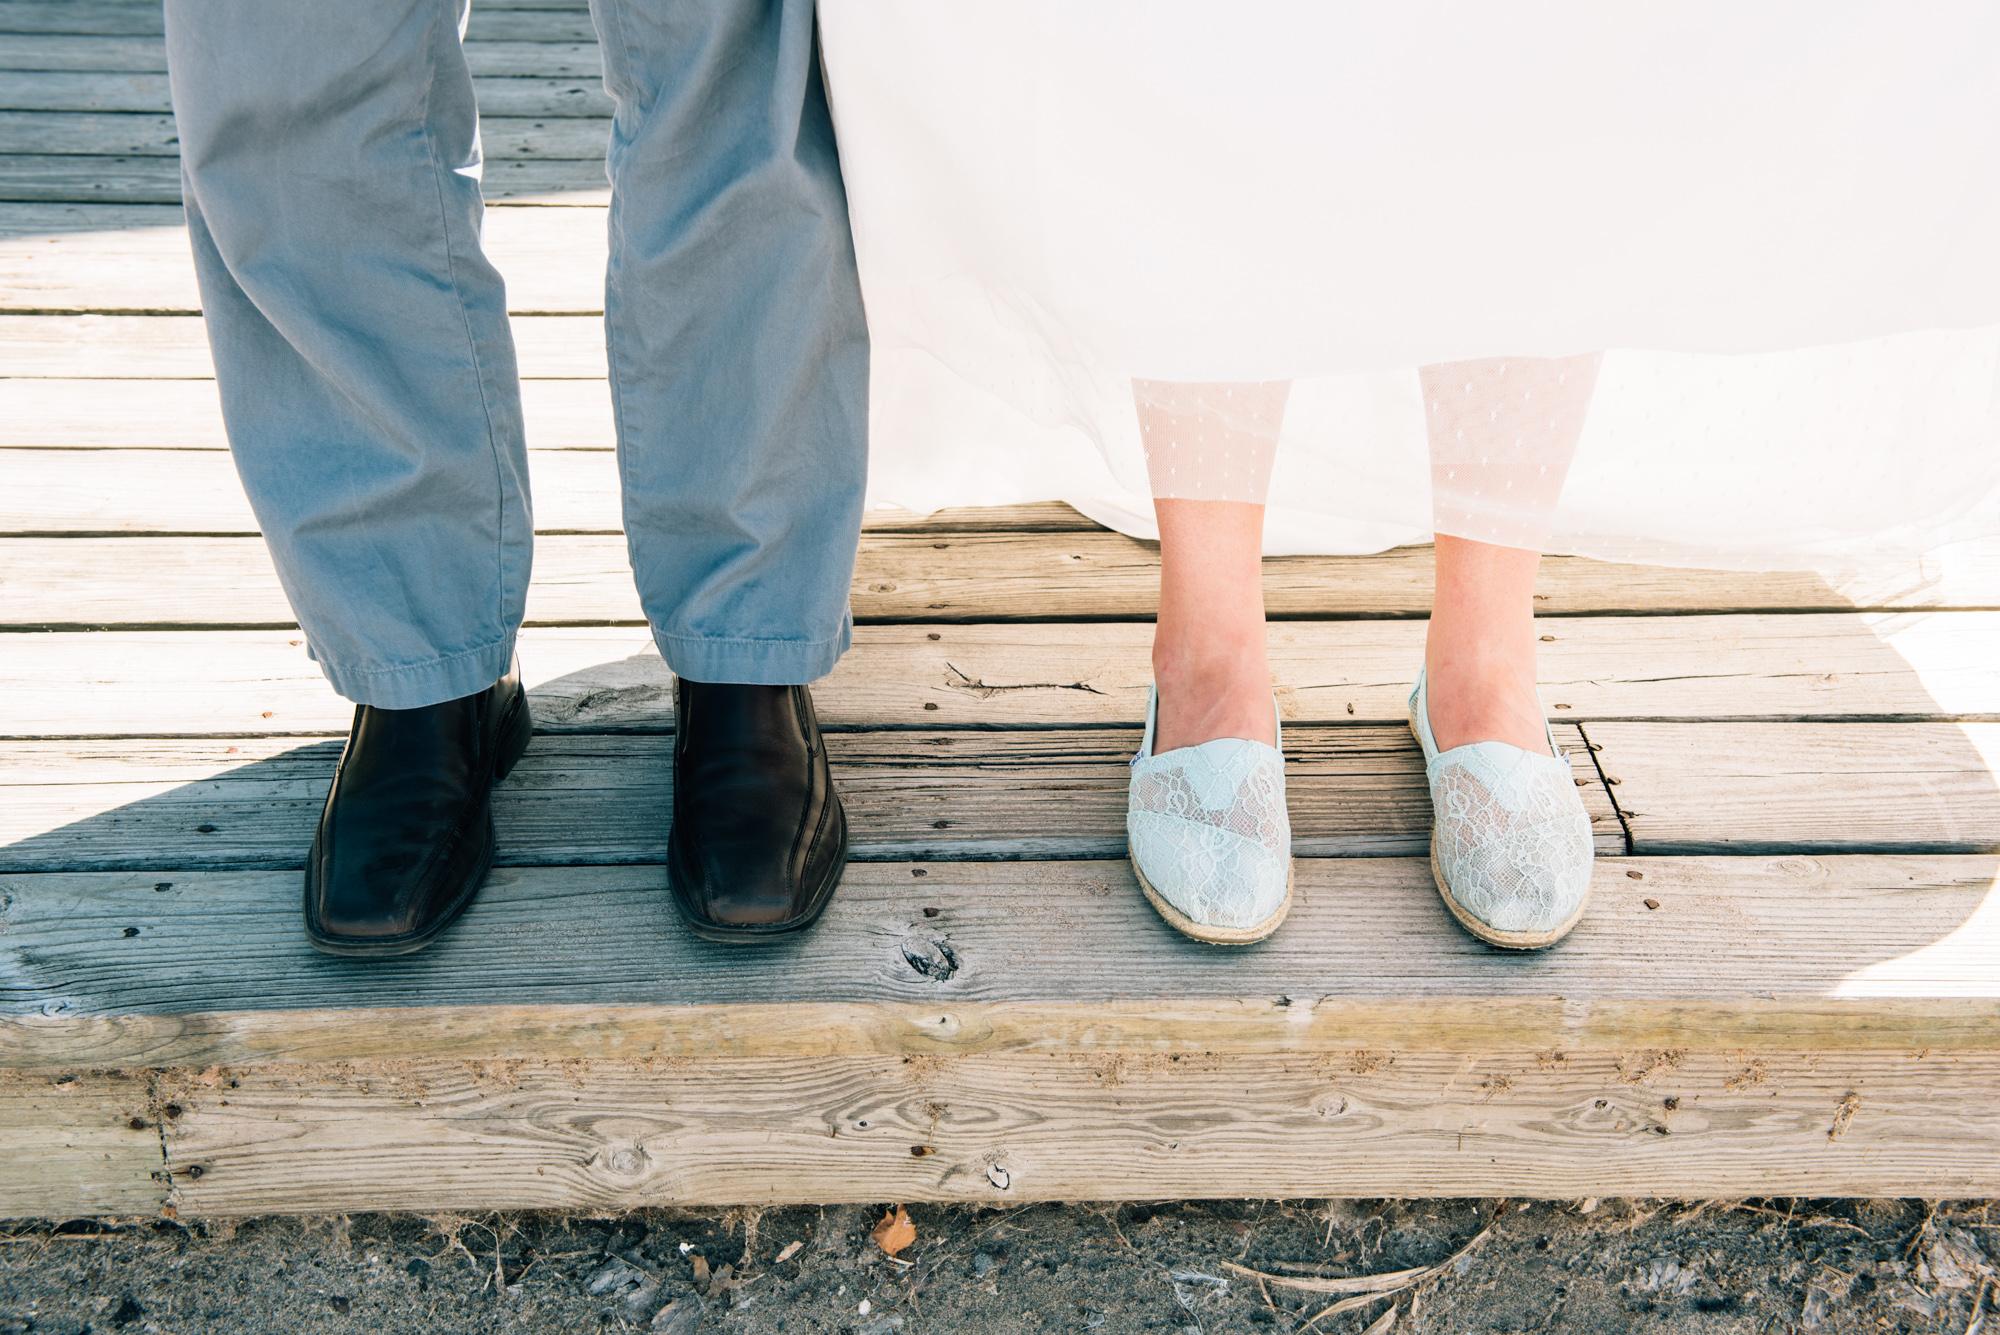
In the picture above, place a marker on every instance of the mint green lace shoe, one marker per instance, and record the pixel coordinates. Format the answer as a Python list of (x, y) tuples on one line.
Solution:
[(1510, 840), (1209, 835)]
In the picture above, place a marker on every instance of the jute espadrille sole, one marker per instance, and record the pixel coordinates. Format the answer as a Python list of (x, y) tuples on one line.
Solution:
[(1216, 936), (1493, 936)]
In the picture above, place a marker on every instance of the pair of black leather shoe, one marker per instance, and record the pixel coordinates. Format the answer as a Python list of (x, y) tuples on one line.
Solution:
[(757, 845)]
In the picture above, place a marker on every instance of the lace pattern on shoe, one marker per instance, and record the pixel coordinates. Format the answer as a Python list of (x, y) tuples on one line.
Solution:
[(1209, 829), (1512, 837)]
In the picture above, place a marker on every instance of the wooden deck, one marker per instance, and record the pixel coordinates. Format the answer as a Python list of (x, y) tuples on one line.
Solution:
[(1788, 983)]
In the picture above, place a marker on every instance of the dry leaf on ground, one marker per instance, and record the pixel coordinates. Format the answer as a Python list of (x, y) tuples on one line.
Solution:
[(895, 1232)]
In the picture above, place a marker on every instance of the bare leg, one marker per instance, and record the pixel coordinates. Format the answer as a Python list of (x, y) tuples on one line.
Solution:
[(1480, 654), (1502, 434), (1209, 450), (1208, 647)]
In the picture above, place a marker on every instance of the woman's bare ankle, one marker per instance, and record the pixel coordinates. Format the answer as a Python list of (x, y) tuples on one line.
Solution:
[(1474, 700), (1207, 698)]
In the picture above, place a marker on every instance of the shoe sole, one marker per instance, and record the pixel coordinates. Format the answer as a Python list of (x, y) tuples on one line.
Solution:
[(1217, 936), (1493, 936), (515, 732)]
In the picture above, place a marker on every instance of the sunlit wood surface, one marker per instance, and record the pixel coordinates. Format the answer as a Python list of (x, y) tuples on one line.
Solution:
[(1788, 982)]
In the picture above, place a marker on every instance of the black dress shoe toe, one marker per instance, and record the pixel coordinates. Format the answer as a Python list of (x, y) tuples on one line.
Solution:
[(759, 839), (406, 837)]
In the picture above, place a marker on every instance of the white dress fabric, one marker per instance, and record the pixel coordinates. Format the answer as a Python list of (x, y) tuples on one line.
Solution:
[(1774, 221)]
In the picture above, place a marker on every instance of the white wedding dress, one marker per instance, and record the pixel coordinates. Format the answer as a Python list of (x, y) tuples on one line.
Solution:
[(1087, 227)]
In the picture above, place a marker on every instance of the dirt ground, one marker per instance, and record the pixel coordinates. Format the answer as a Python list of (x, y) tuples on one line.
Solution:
[(1185, 1267)]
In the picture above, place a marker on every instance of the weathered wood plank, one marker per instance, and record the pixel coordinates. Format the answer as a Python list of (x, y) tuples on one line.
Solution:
[(78, 17), (535, 21), (541, 96), (38, 223), (1741, 952), (148, 55), (136, 259), (1745, 1014), (186, 415), (59, 91), (78, 1143), (72, 491), (589, 800), (1765, 787), (928, 571), (149, 347), (157, 180), (112, 133), (55, 177), (50, 90), (259, 682), (1006, 1129), (986, 570), (105, 54), (151, 134)]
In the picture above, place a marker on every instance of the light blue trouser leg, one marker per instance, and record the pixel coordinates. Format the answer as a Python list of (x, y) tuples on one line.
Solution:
[(739, 354), (329, 153), (367, 372)]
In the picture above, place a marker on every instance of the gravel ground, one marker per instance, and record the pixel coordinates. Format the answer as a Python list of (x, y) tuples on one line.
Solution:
[(1183, 1267)]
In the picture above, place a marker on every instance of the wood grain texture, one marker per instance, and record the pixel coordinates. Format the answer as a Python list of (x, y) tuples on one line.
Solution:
[(136, 258), (73, 492), (932, 574), (1781, 1025), (49, 90), (185, 415), (144, 53), (433, 1135), (175, 347), (250, 683), (60, 91), (114, 133), (94, 180), (58, 571), (100, 17), (62, 178), (543, 20), (1875, 952), (604, 800), (500, 58), (41, 222), (1761, 787), (78, 1143)]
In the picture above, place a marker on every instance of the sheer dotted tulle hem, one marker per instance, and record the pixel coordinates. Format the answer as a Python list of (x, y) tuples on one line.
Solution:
[(1502, 434), (1210, 442)]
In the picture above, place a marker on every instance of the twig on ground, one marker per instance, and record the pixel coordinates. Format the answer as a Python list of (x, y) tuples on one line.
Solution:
[(1701, 1206), (1367, 1288), (1817, 1221)]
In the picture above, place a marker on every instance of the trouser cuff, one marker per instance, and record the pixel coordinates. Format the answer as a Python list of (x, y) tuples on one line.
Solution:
[(418, 684), (752, 662)]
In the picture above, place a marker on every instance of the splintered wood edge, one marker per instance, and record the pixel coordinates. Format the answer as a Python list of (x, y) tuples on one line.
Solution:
[(1246, 1026)]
